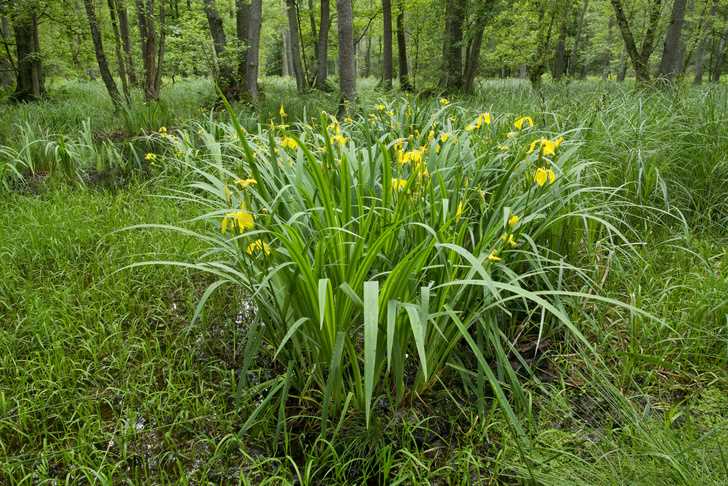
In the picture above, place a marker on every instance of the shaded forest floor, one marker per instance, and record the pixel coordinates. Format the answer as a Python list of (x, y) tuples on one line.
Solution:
[(104, 378)]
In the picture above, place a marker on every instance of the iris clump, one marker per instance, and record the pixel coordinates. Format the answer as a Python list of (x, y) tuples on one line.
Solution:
[(388, 258)]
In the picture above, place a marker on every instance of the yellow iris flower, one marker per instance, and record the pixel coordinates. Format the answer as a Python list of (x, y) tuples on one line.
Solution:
[(398, 184), (513, 220), (246, 182), (459, 211), (289, 143), (521, 123), (242, 220), (542, 176), (493, 257), (258, 245)]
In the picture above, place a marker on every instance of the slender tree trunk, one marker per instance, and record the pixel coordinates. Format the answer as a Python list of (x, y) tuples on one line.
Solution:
[(322, 49), (368, 57), (242, 30), (607, 69), (703, 43), (347, 72), (148, 34), (253, 55), (9, 71), (120, 62), (224, 71), (126, 40), (100, 54), (387, 69), (29, 81), (452, 67), (295, 45), (160, 50), (669, 66), (573, 62), (718, 58), (404, 81), (560, 67)]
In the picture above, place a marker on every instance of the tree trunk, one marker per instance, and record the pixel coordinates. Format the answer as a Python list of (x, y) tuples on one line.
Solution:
[(8, 71), (719, 57), (322, 49), (148, 34), (622, 74), (404, 81), (100, 54), (29, 82), (543, 40), (295, 45), (368, 57), (559, 68), (452, 66), (607, 69), (703, 44), (387, 69), (253, 55), (472, 57), (242, 30), (120, 62), (670, 65), (640, 59), (160, 50), (126, 40), (223, 69), (574, 61), (347, 73)]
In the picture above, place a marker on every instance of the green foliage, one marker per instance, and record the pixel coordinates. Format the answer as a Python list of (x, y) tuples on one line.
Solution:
[(108, 379)]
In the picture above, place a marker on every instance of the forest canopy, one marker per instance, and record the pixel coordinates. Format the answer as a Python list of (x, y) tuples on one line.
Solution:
[(422, 44)]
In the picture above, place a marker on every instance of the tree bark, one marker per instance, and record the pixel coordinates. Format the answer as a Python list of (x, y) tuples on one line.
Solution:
[(719, 58), (29, 81), (703, 44), (295, 45), (670, 65), (7, 66), (543, 40), (242, 30), (640, 58), (607, 69), (322, 48), (368, 57), (452, 66), (150, 53), (574, 61), (104, 70), (387, 63), (120, 61), (472, 53), (223, 69), (253, 51), (347, 72), (404, 81), (559, 69), (126, 40)]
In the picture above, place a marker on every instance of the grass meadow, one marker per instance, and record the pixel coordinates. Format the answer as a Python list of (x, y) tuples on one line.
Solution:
[(515, 287)]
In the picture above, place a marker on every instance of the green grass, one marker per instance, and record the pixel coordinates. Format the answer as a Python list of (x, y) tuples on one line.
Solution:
[(105, 378)]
